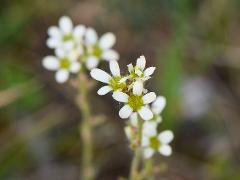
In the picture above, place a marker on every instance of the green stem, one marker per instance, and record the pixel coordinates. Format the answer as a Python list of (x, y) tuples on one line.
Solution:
[(85, 130), (134, 171)]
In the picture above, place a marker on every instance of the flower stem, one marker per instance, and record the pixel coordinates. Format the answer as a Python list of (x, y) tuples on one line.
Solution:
[(134, 171), (85, 130)]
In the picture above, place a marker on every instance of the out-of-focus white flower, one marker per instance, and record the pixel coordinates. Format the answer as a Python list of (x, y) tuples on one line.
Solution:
[(114, 82), (135, 102), (158, 143), (63, 64), (65, 36), (99, 49), (138, 71)]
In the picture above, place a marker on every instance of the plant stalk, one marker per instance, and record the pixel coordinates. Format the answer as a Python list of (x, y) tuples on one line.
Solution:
[(85, 131)]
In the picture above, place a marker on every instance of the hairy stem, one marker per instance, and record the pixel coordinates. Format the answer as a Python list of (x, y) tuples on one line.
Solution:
[(134, 171), (85, 130)]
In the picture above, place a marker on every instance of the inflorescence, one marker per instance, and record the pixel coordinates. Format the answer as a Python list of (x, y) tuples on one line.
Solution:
[(143, 108)]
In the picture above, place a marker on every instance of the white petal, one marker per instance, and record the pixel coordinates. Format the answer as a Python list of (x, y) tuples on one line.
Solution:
[(125, 112), (114, 68), (91, 36), (53, 42), (60, 52), (107, 40), (79, 31), (158, 105), (50, 63), (165, 150), (165, 137), (130, 67), (134, 119), (68, 45), (148, 153), (138, 88), (75, 67), (65, 24), (149, 97), (109, 55), (54, 31), (120, 96), (92, 62), (150, 128), (100, 75), (141, 62), (61, 76), (145, 141), (104, 90), (149, 71), (145, 113)]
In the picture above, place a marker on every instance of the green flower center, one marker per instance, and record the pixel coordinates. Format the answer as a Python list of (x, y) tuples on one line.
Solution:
[(135, 102), (115, 84), (67, 37), (65, 63), (133, 73), (97, 51), (154, 142)]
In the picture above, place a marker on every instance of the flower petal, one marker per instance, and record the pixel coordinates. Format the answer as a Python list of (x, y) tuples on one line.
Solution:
[(100, 75), (92, 62), (53, 42), (148, 153), (149, 97), (61, 76), (149, 71), (150, 128), (107, 40), (65, 24), (79, 31), (138, 88), (158, 105), (54, 31), (120, 96), (50, 63), (125, 112), (91, 36), (141, 62), (109, 55), (165, 137), (145, 113), (104, 90), (145, 142), (75, 67), (114, 68), (165, 150)]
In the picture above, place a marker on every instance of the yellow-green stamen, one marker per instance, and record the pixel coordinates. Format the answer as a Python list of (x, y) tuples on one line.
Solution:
[(154, 143), (65, 63), (115, 84), (135, 102)]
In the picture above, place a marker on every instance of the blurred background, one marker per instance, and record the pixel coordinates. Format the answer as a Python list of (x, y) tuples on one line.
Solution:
[(195, 45)]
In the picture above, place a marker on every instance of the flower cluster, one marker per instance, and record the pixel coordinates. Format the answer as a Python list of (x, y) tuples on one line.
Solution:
[(75, 46), (143, 108)]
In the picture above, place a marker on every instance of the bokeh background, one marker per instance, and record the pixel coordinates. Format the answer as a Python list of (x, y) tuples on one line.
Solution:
[(195, 45)]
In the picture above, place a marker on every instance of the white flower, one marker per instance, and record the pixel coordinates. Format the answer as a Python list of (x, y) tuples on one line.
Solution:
[(114, 82), (66, 37), (138, 71), (159, 143), (99, 49), (135, 102), (63, 64)]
